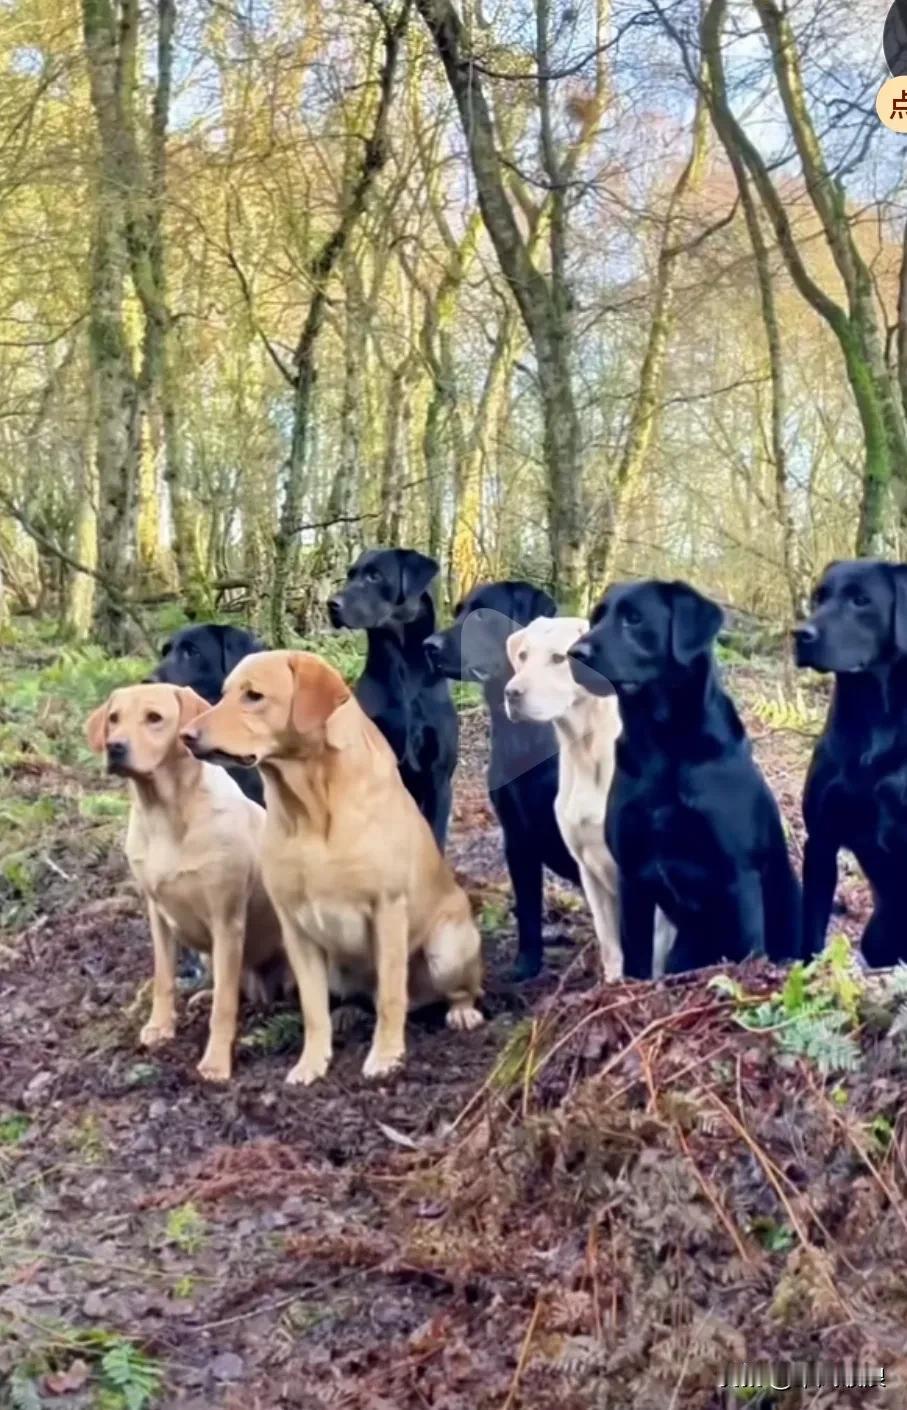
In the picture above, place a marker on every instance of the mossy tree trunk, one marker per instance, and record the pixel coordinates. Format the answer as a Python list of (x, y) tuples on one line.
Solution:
[(110, 36)]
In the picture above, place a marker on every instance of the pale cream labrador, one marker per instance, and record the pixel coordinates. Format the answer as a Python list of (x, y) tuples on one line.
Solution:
[(194, 847), (542, 688)]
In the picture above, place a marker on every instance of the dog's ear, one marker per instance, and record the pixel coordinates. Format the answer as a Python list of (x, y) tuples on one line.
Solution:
[(530, 602), (417, 570), (317, 691), (900, 608), (514, 642), (695, 622), (597, 613), (235, 644), (539, 603), (191, 704), (96, 728)]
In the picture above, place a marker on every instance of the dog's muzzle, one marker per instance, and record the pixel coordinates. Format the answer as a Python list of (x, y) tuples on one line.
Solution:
[(806, 644), (581, 657), (513, 703), (196, 745), (117, 756)]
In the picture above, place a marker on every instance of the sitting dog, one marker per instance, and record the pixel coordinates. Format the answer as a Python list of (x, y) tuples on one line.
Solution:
[(690, 819), (854, 788), (522, 769), (386, 596), (348, 860), (193, 845), (542, 689), (202, 658)]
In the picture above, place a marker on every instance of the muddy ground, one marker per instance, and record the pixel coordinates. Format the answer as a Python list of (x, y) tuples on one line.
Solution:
[(255, 1243)]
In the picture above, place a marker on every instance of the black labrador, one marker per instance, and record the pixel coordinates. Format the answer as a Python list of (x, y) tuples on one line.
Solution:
[(523, 767), (386, 595), (690, 819), (855, 788), (202, 657)]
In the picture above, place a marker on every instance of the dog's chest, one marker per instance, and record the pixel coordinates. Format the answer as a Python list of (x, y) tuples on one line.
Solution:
[(580, 810), (341, 930), (661, 829), (327, 895), (160, 866), (170, 880)]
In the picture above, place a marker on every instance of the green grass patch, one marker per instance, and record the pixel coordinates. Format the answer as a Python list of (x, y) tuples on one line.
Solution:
[(13, 1128)]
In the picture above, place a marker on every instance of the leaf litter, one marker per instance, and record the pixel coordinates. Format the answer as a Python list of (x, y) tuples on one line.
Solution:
[(598, 1200)]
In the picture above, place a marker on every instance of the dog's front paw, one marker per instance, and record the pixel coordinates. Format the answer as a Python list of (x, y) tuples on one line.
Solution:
[(464, 1017), (309, 1068), (215, 1067), (382, 1061), (157, 1032)]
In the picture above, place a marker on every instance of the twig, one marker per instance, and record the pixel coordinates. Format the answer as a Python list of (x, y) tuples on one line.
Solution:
[(890, 1194), (667, 1021), (49, 861), (714, 1201), (770, 1170), (52, 547), (524, 1354), (299, 1295)]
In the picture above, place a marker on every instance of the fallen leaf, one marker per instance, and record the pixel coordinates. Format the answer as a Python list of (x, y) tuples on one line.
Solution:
[(65, 1382), (399, 1138)]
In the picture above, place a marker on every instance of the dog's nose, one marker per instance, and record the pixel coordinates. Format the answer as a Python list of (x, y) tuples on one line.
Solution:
[(433, 645), (580, 651), (513, 692), (117, 750), (334, 611), (805, 633), (189, 735)]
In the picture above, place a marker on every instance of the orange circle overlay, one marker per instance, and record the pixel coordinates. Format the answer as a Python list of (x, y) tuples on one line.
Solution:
[(891, 104)]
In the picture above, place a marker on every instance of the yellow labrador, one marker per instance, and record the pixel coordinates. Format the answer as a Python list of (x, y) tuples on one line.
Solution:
[(193, 844), (348, 860), (542, 688)]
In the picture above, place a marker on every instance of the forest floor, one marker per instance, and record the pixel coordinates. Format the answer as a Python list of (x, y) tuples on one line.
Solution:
[(597, 1199)]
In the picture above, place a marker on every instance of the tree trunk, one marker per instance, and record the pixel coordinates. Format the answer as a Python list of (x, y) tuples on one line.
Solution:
[(320, 270), (80, 594), (542, 302), (856, 327), (466, 557), (647, 404), (110, 52)]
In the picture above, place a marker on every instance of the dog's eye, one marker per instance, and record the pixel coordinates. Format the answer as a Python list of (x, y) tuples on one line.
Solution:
[(113, 718), (189, 649), (632, 617), (859, 599), (522, 655), (372, 575), (557, 658), (153, 718), (252, 696)]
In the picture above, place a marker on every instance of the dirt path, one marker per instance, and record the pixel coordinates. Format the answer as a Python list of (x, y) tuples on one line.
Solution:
[(140, 1201), (243, 1237)]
